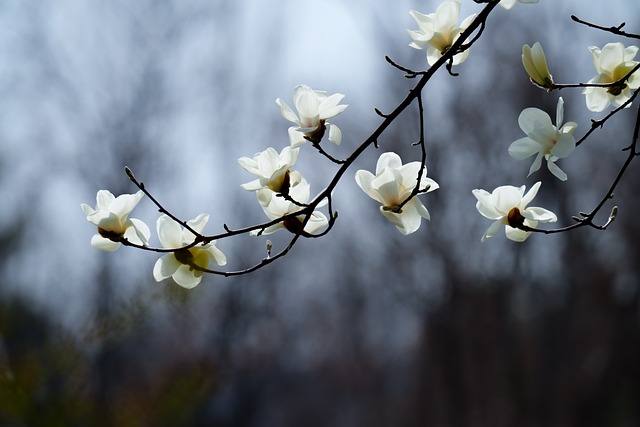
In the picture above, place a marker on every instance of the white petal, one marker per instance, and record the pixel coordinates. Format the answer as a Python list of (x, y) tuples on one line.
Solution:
[(364, 179), (137, 232), (99, 242), (169, 232), (104, 199), (529, 116), (556, 171), (388, 159), (296, 138), (88, 210), (611, 56), (125, 203), (335, 134), (329, 106), (537, 162), (317, 222), (527, 198), (524, 147), (406, 222), (539, 214), (252, 185), (388, 186), (492, 230), (447, 15), (507, 197), (565, 145), (165, 266), (560, 112), (250, 165), (199, 222), (286, 111), (515, 234), (217, 255), (187, 277), (597, 99), (485, 205)]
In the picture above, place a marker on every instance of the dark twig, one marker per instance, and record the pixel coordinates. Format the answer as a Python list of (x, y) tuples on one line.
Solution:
[(586, 219), (600, 123), (613, 30), (307, 210)]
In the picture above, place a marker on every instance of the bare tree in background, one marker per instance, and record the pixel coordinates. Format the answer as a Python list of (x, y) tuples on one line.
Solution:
[(422, 330)]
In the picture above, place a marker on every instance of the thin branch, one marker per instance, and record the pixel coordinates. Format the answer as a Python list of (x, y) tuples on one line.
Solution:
[(587, 218), (161, 208), (308, 210), (316, 145), (621, 82), (600, 123), (613, 30)]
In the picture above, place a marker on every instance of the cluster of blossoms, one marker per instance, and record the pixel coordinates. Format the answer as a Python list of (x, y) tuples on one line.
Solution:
[(185, 261), (284, 194), (615, 83)]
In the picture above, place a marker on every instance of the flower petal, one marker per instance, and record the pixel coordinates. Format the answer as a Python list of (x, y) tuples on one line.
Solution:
[(165, 266), (286, 111), (530, 116), (335, 134), (556, 171), (492, 230), (186, 277), (99, 242), (524, 147), (539, 214), (527, 198), (169, 232)]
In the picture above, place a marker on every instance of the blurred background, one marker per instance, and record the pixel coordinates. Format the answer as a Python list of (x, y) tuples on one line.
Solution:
[(365, 327)]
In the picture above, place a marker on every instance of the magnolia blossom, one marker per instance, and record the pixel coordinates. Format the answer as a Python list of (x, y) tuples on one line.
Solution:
[(179, 264), (535, 63), (507, 206), (392, 185), (544, 139), (272, 169), (612, 63), (111, 218), (508, 4), (437, 31), (314, 108), (275, 206)]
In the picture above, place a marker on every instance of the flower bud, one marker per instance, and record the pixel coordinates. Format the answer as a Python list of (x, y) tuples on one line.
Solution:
[(535, 64)]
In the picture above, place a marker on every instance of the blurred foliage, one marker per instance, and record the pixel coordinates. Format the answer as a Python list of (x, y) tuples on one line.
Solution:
[(50, 378)]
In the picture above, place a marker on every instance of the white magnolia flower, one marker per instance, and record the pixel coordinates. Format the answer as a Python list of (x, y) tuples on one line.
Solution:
[(272, 169), (437, 31), (179, 264), (508, 4), (276, 206), (314, 108), (111, 218), (507, 206), (391, 185), (544, 139), (612, 63), (535, 63)]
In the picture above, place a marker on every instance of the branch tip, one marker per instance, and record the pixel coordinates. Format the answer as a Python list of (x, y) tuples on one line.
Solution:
[(129, 173)]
